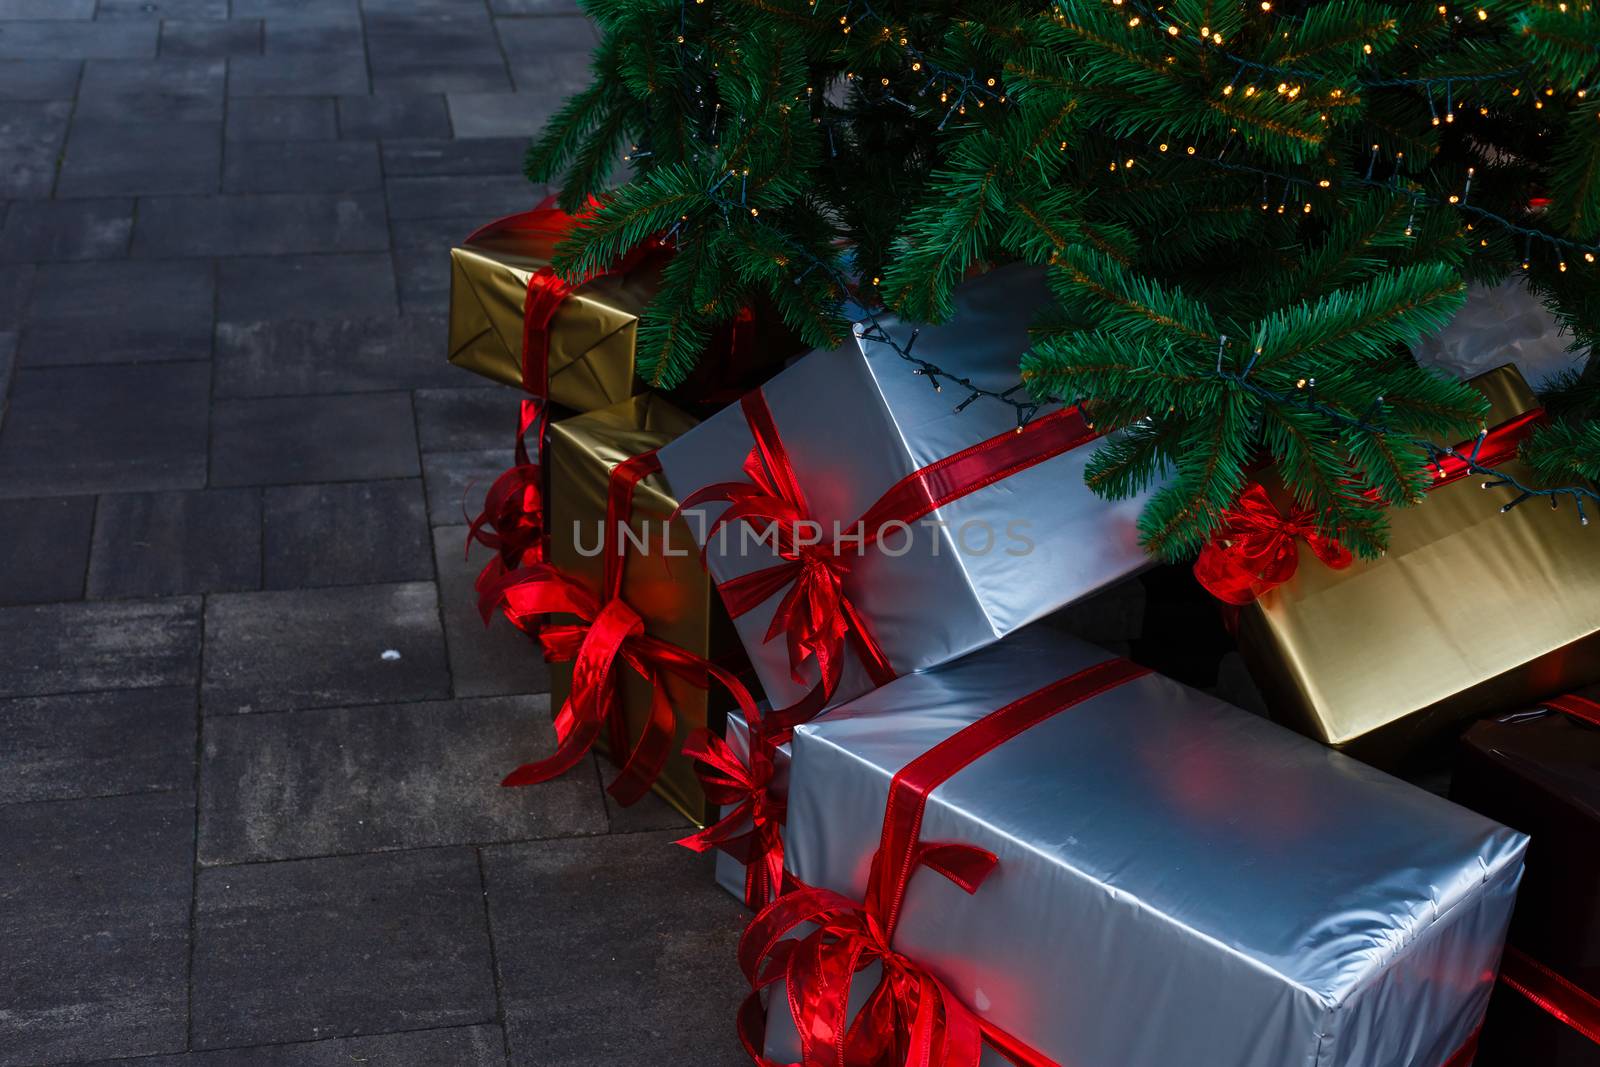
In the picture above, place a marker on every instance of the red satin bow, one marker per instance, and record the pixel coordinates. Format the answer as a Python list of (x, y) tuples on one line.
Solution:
[(512, 522), (752, 832), (608, 632), (911, 1017), (816, 614), (1256, 551)]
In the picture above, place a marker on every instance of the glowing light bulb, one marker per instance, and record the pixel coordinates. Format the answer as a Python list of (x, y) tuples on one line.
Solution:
[(1266, 5), (1483, 16), (1191, 150), (1163, 147), (1325, 183), (1563, 266), (1173, 30), (1227, 90), (1134, 21), (1367, 48)]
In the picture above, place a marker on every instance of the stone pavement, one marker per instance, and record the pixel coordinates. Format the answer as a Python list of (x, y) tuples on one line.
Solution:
[(235, 827)]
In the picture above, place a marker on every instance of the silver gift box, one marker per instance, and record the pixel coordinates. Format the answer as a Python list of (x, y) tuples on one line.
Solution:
[(1179, 882), (855, 421), (730, 872)]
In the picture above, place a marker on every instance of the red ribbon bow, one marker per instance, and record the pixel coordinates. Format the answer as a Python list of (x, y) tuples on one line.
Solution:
[(608, 631), (752, 832), (1255, 551), (512, 522), (816, 614), (911, 1017)]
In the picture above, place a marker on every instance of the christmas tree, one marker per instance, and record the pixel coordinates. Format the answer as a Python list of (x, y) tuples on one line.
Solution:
[(1248, 211)]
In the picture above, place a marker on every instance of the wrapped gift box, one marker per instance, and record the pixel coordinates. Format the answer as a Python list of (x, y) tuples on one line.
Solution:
[(660, 579), (731, 872), (1470, 611), (859, 421), (1178, 882), (590, 357), (1539, 771)]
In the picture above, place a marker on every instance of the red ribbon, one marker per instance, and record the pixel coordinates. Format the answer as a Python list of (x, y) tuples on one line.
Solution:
[(1554, 994), (1255, 550), (608, 632), (752, 832), (1576, 706), (512, 522), (911, 1017), (815, 614)]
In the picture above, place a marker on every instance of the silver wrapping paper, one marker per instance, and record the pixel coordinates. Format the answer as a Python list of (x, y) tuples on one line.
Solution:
[(730, 872), (1501, 324), (1180, 882), (855, 421)]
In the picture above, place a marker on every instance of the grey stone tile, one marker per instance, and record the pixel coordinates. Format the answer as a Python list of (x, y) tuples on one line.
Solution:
[(484, 197), (152, 90), (480, 155), (502, 114), (534, 7), (548, 55), (422, 260), (301, 167), (339, 946), (204, 37), (647, 915), (96, 927), (424, 7), (457, 420), (161, 544), (269, 8), (456, 481), (436, 52), (72, 648), (649, 813), (46, 9), (261, 224), (285, 358), (492, 661), (44, 548), (78, 40), (287, 440), (281, 118), (343, 780), (32, 132), (296, 74), (308, 648), (331, 34), (16, 283), (347, 533), (107, 158), (306, 287), (458, 1046), (97, 744), (119, 311), (163, 9), (8, 352), (393, 115), (112, 428), (40, 79), (43, 230)]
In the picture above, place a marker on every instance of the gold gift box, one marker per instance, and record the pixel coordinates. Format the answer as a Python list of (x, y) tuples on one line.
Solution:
[(591, 336), (1470, 611), (672, 594)]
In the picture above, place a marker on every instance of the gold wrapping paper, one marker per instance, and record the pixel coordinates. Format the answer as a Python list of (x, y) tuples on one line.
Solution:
[(1469, 612), (591, 336), (673, 595)]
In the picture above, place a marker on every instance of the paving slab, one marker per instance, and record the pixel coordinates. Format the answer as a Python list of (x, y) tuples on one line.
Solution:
[(112, 158), (657, 979), (340, 946), (503, 114), (296, 74), (163, 9), (47, 9), (394, 114), (457, 481), (335, 35), (95, 927), (474, 196), (74, 648), (458, 1046), (548, 55), (301, 167), (39, 79), (39, 231), (455, 420), (345, 780), (164, 544), (16, 283), (32, 132), (289, 440), (97, 744), (484, 660), (261, 224), (119, 311), (44, 548), (343, 286), (346, 533), (112, 428), (307, 648), (203, 38), (169, 89), (435, 52), (282, 118), (78, 40), (287, 356), (418, 156)]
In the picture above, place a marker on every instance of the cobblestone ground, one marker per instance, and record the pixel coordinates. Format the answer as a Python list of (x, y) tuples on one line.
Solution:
[(250, 729)]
